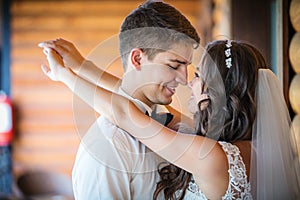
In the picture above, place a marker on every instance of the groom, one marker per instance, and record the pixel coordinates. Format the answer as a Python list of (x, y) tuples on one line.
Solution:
[(156, 46)]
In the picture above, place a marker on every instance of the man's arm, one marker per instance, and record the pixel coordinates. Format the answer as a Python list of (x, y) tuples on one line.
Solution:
[(78, 64)]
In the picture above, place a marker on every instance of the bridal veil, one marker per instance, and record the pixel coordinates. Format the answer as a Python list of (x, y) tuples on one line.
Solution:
[(274, 159)]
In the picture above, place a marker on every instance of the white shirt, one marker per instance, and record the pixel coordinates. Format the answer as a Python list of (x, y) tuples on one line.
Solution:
[(111, 164)]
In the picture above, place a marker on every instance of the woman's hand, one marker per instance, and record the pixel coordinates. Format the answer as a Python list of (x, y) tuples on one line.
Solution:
[(56, 68), (67, 50)]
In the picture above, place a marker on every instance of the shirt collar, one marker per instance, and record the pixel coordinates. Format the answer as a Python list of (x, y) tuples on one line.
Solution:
[(141, 105)]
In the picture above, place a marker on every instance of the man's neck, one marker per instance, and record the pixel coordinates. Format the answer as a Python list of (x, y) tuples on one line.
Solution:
[(134, 92), (144, 107)]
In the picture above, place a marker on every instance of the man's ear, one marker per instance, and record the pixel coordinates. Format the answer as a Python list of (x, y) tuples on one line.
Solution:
[(135, 58)]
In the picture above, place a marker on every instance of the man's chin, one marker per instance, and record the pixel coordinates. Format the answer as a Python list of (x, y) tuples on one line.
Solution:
[(166, 102)]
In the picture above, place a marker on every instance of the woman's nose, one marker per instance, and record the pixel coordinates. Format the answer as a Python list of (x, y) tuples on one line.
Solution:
[(190, 84)]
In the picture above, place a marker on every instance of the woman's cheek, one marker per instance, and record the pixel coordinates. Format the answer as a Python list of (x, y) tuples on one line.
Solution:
[(192, 105)]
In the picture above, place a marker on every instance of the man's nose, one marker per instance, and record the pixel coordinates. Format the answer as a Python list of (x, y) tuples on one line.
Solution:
[(181, 75)]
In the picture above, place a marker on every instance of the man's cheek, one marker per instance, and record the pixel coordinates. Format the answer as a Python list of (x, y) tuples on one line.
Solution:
[(158, 74)]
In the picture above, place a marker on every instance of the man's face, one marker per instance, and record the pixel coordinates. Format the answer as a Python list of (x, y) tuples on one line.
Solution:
[(159, 77)]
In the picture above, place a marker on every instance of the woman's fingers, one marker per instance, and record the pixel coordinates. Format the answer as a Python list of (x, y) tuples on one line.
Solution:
[(45, 51), (49, 43), (55, 64), (45, 69), (71, 57), (59, 45), (62, 42), (53, 57)]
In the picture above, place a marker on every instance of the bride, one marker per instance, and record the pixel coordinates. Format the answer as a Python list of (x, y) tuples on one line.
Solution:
[(240, 146)]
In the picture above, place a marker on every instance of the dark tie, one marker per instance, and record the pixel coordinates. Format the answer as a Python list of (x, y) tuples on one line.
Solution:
[(163, 118)]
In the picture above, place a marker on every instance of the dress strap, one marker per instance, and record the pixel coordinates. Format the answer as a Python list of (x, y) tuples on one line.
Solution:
[(238, 186)]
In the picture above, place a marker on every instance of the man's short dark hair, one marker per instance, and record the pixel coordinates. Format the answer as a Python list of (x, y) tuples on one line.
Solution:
[(155, 27)]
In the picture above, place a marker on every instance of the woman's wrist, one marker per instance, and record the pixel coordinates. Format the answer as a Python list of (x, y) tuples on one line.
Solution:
[(67, 77), (79, 63)]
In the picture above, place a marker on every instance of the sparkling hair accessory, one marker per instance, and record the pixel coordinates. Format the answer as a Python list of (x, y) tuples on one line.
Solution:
[(228, 54)]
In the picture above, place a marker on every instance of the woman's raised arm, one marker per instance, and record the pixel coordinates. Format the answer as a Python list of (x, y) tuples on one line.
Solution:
[(179, 149), (72, 59), (86, 69)]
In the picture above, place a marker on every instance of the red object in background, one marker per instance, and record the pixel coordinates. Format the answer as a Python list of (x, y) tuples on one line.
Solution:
[(6, 120)]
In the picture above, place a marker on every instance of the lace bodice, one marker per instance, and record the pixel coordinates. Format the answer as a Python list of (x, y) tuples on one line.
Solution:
[(238, 186)]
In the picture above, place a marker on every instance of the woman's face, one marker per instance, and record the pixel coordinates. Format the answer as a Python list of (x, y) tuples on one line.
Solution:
[(196, 86)]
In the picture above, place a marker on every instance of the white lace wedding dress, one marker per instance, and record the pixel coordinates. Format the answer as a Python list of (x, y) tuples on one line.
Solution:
[(238, 186)]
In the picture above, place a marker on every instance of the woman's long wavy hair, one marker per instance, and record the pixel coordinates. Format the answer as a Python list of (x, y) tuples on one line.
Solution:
[(231, 111)]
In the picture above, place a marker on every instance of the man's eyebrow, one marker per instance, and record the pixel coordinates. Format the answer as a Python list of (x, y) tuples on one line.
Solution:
[(179, 61)]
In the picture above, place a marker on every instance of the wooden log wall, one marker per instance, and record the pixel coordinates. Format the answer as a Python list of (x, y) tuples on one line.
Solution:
[(46, 135)]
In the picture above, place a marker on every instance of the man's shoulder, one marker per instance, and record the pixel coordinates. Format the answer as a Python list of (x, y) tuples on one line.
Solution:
[(113, 132), (104, 135)]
